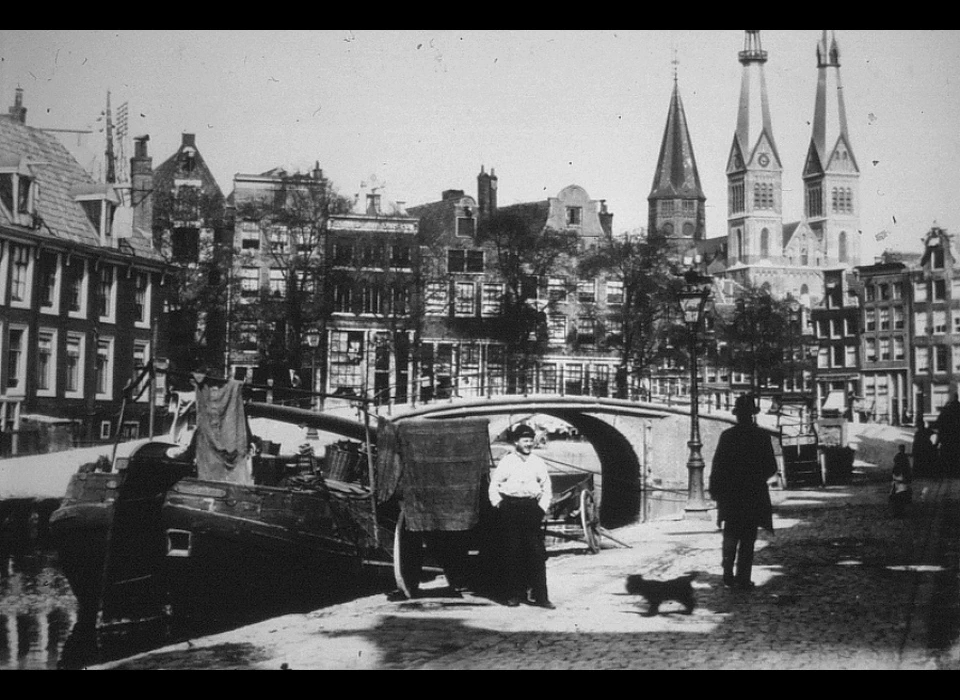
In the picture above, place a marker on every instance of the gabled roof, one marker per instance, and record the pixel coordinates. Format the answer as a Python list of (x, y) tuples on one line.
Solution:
[(59, 176), (172, 168), (788, 230), (534, 214)]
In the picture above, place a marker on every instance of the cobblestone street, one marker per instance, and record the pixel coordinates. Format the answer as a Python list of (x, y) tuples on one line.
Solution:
[(841, 584)]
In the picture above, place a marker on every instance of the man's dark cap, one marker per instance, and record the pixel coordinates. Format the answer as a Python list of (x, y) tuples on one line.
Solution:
[(745, 406), (523, 431)]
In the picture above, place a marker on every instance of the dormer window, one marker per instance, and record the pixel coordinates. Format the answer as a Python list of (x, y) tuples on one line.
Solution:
[(574, 216), (18, 190), (99, 203)]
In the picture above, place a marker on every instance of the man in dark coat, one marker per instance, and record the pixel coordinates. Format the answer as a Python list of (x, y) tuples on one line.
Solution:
[(743, 462), (924, 452), (947, 426)]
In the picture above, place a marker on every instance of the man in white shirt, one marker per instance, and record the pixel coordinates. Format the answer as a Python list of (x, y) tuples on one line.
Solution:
[(521, 492)]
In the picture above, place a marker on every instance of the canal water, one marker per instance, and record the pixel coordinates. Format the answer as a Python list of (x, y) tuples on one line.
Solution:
[(37, 608)]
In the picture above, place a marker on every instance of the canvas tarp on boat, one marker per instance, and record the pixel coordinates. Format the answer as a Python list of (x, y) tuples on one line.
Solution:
[(437, 467)]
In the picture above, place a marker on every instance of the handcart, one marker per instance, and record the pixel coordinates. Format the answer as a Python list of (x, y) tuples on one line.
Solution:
[(573, 513)]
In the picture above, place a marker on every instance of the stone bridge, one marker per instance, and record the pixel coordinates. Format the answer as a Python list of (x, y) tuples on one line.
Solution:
[(641, 447)]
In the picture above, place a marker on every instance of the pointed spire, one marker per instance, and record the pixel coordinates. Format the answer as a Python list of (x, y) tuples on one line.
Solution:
[(753, 114), (830, 114), (676, 174)]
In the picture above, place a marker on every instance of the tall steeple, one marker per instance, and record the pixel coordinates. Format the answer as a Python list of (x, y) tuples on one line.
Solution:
[(830, 174), (754, 170), (676, 200)]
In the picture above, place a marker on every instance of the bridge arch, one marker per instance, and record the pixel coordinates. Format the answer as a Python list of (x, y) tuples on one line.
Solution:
[(640, 446)]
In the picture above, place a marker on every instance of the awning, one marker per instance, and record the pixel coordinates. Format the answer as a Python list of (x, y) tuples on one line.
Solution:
[(835, 402)]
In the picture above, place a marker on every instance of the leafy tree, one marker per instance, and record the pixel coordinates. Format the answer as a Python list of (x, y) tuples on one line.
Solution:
[(757, 333), (640, 324), (525, 254), (293, 219), (189, 231)]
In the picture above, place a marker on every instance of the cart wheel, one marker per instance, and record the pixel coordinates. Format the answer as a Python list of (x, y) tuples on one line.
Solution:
[(590, 520), (407, 558)]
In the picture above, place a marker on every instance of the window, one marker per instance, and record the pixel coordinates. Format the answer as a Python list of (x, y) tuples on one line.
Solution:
[(765, 243), (898, 348), (249, 235), (76, 281), (186, 207), (342, 253), (74, 366), (19, 193), (107, 299), (735, 196), (939, 322), (870, 292), (104, 368), (370, 256), (614, 291), (142, 299), (371, 301), (465, 303), (49, 282), (491, 302), (835, 328), (838, 355), (557, 328), (346, 355), (940, 358), (249, 281), (587, 291), (20, 275), (939, 290), (850, 356), (459, 260), (586, 330), (278, 283), (814, 200), (466, 226), (400, 256), (556, 289), (871, 350), (870, 320), (46, 361), (885, 319), (936, 258), (279, 239), (884, 290), (574, 216), (941, 393), (342, 298), (898, 317), (923, 359), (896, 290), (247, 337), (763, 195), (436, 300), (919, 291), (823, 360), (884, 349), (842, 247), (16, 359)]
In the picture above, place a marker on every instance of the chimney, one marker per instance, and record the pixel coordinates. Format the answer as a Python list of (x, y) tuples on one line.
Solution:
[(486, 192), (18, 111), (141, 185), (606, 218), (189, 140)]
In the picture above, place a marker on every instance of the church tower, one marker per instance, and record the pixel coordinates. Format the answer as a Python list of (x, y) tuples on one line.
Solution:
[(831, 176), (676, 200), (754, 169)]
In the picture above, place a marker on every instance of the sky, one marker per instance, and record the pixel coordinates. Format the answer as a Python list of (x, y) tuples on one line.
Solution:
[(422, 111)]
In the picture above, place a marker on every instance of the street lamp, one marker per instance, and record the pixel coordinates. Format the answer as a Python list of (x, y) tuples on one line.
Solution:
[(693, 298), (313, 340)]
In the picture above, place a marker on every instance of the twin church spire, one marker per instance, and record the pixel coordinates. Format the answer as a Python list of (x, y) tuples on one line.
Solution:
[(827, 234)]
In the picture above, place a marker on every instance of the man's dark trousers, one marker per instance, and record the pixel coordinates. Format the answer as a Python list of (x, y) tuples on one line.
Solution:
[(525, 556), (738, 544)]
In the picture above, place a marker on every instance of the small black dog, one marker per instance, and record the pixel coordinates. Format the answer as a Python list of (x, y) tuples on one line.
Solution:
[(678, 589)]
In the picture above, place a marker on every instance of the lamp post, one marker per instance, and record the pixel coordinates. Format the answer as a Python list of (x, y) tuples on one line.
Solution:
[(313, 340), (693, 298)]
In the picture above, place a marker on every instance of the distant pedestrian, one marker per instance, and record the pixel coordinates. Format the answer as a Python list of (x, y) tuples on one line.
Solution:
[(924, 451), (520, 490), (901, 493), (743, 462), (947, 426)]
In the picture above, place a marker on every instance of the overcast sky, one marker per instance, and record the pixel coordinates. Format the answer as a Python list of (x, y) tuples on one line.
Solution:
[(423, 110)]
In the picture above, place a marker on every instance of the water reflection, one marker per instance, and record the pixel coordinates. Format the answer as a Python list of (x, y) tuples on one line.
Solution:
[(37, 609)]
